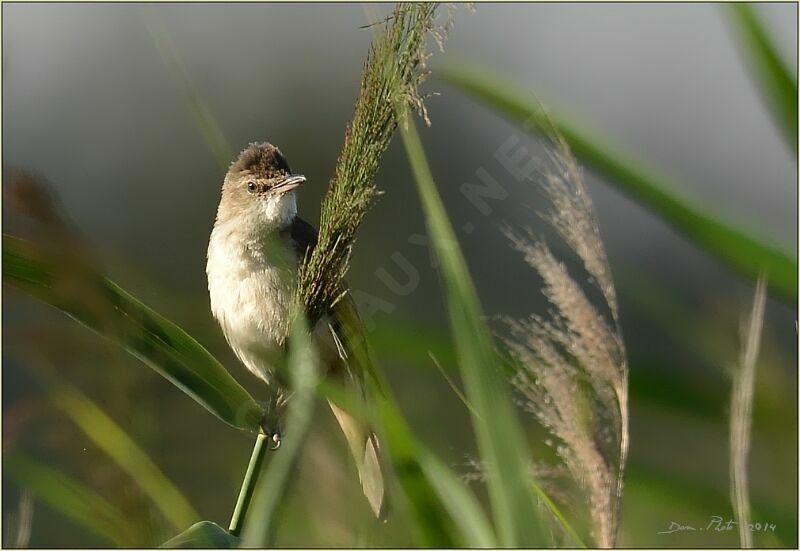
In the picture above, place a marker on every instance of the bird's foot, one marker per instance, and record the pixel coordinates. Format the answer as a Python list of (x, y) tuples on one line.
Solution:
[(271, 423)]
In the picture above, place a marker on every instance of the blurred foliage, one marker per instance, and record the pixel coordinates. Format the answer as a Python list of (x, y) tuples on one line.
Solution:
[(674, 406), (62, 279), (777, 86), (109, 437), (73, 499)]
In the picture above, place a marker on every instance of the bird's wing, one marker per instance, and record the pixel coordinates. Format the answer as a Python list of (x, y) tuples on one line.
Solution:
[(304, 237), (347, 332), (344, 321)]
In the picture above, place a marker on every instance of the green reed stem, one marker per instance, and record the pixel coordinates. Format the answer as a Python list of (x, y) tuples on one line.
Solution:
[(248, 484)]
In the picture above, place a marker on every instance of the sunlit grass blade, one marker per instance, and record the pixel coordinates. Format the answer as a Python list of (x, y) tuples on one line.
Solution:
[(726, 241), (261, 526), (109, 437), (454, 387), (85, 295), (559, 516), (203, 535), (499, 435), (72, 499), (777, 85)]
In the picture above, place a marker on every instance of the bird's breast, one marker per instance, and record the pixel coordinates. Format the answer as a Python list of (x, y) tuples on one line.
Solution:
[(250, 298)]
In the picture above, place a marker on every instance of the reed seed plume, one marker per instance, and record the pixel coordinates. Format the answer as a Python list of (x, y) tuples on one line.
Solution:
[(741, 411), (547, 476), (574, 374), (394, 69)]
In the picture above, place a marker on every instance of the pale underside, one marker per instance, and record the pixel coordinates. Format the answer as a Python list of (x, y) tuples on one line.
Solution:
[(251, 298)]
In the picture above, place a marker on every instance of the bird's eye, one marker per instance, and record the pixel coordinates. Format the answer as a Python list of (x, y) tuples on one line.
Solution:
[(251, 187)]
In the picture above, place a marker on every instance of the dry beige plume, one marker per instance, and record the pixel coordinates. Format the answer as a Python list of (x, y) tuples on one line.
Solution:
[(741, 411), (574, 373)]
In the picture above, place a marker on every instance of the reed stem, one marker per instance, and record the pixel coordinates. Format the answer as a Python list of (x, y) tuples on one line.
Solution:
[(248, 484)]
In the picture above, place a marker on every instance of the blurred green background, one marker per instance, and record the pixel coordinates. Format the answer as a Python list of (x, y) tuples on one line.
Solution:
[(93, 111)]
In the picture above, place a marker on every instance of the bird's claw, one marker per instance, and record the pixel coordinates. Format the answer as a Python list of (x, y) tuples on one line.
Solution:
[(271, 422), (276, 439)]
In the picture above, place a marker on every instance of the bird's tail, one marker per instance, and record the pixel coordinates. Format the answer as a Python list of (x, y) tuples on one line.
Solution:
[(364, 446)]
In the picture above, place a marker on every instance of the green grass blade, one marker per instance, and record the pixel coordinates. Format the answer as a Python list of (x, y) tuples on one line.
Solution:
[(500, 438), (728, 243), (203, 535), (777, 86), (84, 294), (72, 499), (454, 387), (459, 502), (109, 437), (559, 516), (261, 524)]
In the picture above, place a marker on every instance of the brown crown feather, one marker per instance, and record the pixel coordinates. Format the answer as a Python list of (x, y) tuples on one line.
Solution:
[(262, 160)]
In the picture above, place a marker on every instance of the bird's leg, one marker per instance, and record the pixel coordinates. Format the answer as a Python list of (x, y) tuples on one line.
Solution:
[(271, 423)]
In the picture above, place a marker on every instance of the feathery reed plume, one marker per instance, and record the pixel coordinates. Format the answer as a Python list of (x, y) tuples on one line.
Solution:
[(394, 69), (574, 374), (741, 411)]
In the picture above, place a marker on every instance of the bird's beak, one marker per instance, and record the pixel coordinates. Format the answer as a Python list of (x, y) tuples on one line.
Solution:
[(289, 183)]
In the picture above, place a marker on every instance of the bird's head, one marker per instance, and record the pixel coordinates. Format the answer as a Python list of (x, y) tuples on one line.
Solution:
[(259, 189)]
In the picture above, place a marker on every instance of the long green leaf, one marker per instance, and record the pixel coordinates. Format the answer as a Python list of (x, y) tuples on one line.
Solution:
[(777, 86), (72, 499), (500, 438), (261, 526), (109, 437), (728, 243), (84, 294)]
